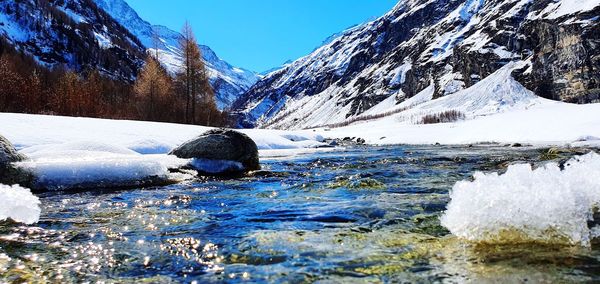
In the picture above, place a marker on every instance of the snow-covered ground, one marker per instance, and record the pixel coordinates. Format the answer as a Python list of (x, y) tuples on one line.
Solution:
[(552, 123), (497, 109), (25, 131), (68, 152)]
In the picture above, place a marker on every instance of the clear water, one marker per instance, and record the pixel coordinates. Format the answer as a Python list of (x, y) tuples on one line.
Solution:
[(353, 215)]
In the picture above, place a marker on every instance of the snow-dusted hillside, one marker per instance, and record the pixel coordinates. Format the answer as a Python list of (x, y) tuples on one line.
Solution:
[(229, 81), (423, 50)]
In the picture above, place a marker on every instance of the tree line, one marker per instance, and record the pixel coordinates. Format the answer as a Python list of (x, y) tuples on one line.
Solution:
[(184, 97)]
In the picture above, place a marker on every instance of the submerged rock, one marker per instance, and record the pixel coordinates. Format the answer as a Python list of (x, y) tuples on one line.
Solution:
[(228, 150), (9, 174), (267, 174)]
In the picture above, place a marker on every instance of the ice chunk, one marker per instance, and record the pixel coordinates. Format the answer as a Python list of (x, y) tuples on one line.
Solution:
[(546, 204), (19, 204)]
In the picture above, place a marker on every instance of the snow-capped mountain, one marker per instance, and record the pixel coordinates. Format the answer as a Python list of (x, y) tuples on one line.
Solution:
[(228, 81), (75, 33), (423, 50)]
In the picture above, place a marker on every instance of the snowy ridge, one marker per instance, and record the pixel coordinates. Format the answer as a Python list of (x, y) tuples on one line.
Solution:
[(563, 8), (229, 81), (447, 45)]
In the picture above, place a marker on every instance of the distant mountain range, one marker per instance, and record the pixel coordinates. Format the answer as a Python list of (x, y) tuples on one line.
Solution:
[(435, 49), (107, 35)]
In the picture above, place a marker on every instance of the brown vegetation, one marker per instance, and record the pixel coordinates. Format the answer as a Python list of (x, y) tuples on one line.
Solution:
[(443, 117), (27, 87)]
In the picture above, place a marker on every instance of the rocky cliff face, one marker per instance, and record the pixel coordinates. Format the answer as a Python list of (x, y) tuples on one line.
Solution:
[(447, 45), (566, 58)]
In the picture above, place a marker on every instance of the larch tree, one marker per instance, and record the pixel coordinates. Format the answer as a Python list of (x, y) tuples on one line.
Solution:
[(67, 94), (193, 79), (152, 89), (11, 85)]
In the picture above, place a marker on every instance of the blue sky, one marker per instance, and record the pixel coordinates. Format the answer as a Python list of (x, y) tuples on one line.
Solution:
[(261, 34)]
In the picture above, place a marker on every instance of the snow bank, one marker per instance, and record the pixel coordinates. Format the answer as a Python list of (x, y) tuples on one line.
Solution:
[(545, 204), (73, 153), (83, 164), (18, 204)]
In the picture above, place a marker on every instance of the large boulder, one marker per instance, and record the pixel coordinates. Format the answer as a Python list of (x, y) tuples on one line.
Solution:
[(220, 151), (8, 156)]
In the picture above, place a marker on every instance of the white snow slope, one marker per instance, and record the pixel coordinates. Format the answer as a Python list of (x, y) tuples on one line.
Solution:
[(230, 81)]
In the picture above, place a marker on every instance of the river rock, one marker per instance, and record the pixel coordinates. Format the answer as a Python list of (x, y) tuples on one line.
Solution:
[(222, 146), (9, 155)]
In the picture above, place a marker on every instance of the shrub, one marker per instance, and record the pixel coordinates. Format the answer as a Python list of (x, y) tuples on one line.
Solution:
[(443, 117)]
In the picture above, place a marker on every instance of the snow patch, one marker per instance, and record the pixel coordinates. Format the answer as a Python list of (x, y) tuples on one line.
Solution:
[(562, 8), (103, 41)]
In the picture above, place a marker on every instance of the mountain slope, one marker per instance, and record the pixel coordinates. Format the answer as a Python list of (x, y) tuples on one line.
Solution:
[(441, 46), (75, 33), (229, 81)]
